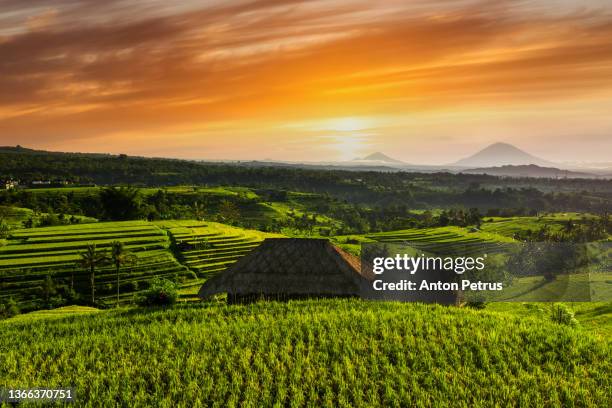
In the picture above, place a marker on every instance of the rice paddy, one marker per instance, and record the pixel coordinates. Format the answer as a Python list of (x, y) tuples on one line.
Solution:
[(447, 240), (32, 255), (209, 248), (328, 353)]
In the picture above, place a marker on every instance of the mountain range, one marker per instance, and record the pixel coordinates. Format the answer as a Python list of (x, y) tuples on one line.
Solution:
[(530, 170), (499, 159)]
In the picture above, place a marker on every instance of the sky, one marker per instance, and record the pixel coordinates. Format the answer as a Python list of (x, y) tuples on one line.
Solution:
[(424, 81)]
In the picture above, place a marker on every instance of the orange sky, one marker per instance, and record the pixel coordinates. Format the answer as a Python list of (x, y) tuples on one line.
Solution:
[(423, 81)]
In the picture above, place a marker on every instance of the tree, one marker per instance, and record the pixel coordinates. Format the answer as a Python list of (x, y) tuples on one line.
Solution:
[(474, 217), (161, 292), (90, 259), (9, 308), (120, 257), (198, 211), (228, 212), (121, 203), (4, 227), (29, 223), (48, 289), (5, 212)]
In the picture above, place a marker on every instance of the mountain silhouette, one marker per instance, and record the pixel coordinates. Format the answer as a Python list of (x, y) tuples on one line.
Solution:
[(500, 154), (379, 157), (530, 170)]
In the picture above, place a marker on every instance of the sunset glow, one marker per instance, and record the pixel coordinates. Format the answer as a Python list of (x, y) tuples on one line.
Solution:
[(425, 81)]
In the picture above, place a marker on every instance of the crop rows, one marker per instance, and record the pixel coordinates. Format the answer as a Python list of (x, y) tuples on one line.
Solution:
[(33, 255), (323, 353), (445, 241), (209, 248)]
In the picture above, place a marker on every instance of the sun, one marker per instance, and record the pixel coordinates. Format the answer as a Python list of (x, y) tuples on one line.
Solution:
[(348, 124)]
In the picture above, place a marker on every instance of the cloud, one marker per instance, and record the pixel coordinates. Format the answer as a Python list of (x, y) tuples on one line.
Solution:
[(71, 72)]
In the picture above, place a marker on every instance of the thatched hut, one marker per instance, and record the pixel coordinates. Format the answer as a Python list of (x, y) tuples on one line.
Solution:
[(288, 268)]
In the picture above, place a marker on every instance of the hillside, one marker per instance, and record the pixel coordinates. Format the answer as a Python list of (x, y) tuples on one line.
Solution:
[(530, 170), (321, 353), (38, 263), (499, 154)]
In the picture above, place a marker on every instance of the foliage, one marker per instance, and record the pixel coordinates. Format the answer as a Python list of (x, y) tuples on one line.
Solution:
[(375, 201), (562, 314), (121, 203), (477, 302), (4, 229), (228, 212), (48, 289), (90, 260), (161, 292), (548, 259), (50, 220), (120, 257), (8, 308)]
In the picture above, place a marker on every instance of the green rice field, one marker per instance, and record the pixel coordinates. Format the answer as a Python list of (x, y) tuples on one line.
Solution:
[(209, 248), (32, 255), (327, 353)]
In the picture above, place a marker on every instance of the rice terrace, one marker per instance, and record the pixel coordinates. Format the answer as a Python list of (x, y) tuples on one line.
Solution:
[(341, 203), (224, 295)]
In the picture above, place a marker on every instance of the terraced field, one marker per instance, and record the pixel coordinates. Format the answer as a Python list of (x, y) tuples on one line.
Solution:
[(208, 248), (446, 240), (33, 254), (509, 226)]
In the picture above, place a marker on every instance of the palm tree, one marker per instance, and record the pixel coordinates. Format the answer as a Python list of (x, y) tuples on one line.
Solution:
[(90, 259), (198, 211), (120, 257)]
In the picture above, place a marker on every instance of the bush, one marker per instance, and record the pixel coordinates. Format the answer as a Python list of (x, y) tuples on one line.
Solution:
[(9, 309), (162, 292), (477, 302), (57, 301), (563, 315), (50, 220), (4, 230)]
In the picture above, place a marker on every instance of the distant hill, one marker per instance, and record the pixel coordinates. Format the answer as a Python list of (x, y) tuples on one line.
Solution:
[(16, 149), (530, 170), (499, 154), (377, 158), (25, 150)]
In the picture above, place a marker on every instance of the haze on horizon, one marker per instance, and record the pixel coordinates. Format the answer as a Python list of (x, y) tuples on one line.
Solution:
[(426, 82)]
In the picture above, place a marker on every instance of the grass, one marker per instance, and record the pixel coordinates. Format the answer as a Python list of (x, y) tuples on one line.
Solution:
[(58, 313), (310, 353)]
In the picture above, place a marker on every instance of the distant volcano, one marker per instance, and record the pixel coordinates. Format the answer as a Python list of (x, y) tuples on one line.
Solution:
[(500, 154), (379, 158)]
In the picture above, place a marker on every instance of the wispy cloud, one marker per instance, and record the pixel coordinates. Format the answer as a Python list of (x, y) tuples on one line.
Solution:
[(83, 69)]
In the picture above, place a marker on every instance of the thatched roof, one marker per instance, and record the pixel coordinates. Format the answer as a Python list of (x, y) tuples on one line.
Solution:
[(291, 267)]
